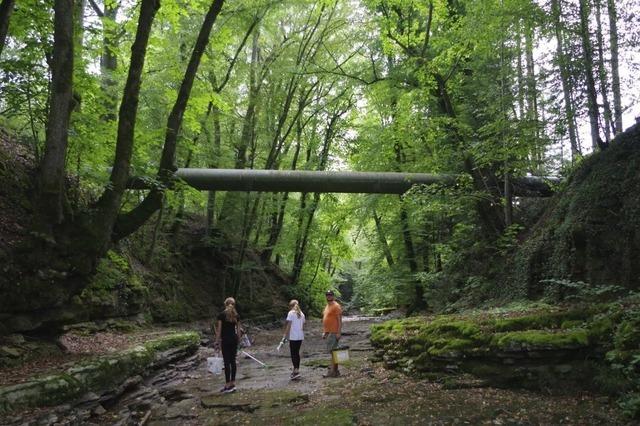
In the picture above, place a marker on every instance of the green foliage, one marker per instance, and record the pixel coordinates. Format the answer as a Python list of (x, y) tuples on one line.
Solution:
[(630, 405), (509, 238), (579, 291)]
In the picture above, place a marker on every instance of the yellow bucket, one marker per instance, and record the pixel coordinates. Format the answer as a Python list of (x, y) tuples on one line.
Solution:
[(340, 356)]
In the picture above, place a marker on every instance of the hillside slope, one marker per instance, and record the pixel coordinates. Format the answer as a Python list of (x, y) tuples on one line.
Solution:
[(590, 232)]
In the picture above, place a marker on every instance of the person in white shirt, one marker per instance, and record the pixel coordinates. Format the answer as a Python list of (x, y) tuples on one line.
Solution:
[(294, 331)]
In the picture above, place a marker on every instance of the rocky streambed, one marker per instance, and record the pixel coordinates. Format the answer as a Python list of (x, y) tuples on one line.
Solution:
[(183, 392)]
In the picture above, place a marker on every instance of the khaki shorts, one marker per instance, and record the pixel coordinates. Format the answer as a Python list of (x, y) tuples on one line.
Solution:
[(332, 342)]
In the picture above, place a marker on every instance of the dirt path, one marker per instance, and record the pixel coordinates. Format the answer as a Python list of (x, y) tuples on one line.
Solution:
[(365, 394)]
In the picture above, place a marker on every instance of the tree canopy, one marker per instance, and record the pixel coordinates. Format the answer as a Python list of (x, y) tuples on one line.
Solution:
[(487, 90)]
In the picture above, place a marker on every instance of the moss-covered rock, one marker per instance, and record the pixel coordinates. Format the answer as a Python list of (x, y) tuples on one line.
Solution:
[(530, 349), (529, 340), (99, 375), (544, 320)]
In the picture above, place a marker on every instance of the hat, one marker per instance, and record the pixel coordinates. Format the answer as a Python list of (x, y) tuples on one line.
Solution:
[(329, 293)]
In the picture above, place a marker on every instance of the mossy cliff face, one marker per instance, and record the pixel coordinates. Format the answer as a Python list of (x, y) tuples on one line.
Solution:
[(591, 230), (542, 348), (99, 376), (114, 291), (174, 288)]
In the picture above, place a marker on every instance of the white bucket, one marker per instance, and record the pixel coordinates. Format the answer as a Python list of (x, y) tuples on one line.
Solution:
[(214, 365)]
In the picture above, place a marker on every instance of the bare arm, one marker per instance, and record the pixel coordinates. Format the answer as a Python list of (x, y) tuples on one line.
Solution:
[(287, 329), (218, 328)]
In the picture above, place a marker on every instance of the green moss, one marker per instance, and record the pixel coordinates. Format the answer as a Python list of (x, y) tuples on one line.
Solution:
[(542, 320), (443, 347), (569, 324), (537, 339), (114, 282), (449, 326), (324, 416), (173, 340)]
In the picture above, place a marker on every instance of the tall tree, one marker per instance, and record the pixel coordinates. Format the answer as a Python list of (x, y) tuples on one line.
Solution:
[(132, 220), (615, 67), (562, 59), (609, 126), (52, 169), (6, 9), (592, 97), (108, 15), (110, 202)]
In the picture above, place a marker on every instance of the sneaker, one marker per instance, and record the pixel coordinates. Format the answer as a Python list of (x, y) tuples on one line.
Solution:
[(331, 375), (295, 376), (230, 390), (224, 389)]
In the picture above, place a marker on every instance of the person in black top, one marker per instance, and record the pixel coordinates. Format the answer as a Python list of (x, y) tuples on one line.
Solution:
[(227, 338)]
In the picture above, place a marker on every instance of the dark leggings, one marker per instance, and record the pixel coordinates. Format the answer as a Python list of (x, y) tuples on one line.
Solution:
[(294, 346), (229, 350)]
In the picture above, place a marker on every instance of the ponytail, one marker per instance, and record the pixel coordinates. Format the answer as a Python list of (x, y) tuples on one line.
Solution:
[(230, 309), (294, 305)]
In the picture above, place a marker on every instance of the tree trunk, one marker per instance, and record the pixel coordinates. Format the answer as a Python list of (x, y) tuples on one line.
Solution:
[(303, 238), (303, 235), (249, 122), (52, 168), (154, 235), (248, 132), (564, 78), (508, 200), (78, 17), (615, 72), (278, 217), (109, 59), (6, 9), (129, 222), (609, 127), (533, 117), (592, 101), (383, 240), (217, 145), (418, 302), (110, 201), (520, 78), (179, 217)]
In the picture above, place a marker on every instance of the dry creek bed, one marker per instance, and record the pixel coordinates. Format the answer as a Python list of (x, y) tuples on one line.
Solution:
[(365, 394)]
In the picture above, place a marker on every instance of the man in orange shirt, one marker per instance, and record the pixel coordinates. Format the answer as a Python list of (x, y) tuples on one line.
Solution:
[(332, 327)]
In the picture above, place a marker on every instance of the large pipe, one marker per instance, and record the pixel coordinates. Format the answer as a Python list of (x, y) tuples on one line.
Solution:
[(324, 181)]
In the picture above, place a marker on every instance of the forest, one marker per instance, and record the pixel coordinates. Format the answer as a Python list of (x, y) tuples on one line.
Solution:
[(511, 266)]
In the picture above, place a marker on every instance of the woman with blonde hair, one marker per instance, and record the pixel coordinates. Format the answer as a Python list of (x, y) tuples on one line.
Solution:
[(227, 338), (294, 331)]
